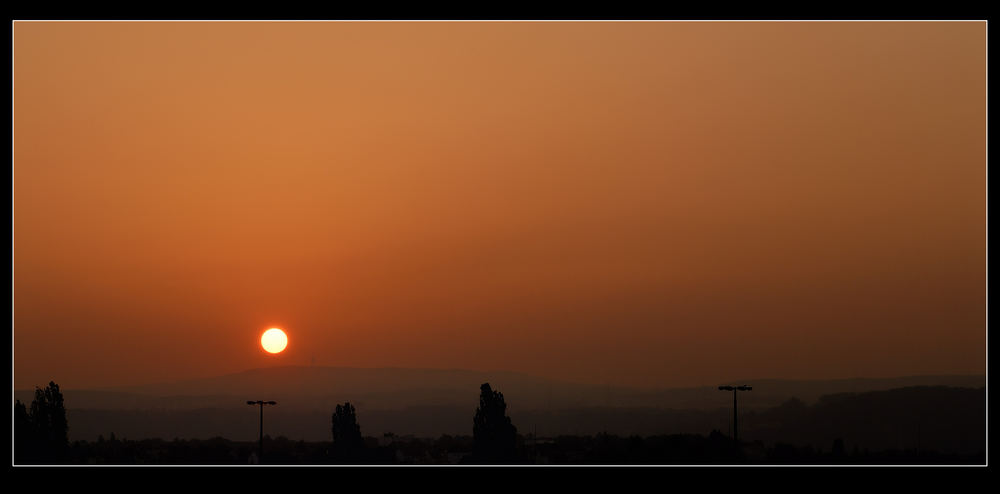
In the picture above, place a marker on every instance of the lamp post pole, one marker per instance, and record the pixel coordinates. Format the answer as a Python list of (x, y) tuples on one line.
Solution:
[(734, 389), (261, 403)]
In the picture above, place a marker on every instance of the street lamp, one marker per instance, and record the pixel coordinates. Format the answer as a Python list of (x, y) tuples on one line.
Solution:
[(261, 403), (734, 389)]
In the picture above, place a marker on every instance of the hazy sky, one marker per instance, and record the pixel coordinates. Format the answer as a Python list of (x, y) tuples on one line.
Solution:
[(635, 203)]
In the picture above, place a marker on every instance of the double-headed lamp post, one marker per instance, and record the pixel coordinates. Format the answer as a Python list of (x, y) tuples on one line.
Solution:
[(260, 452), (734, 389)]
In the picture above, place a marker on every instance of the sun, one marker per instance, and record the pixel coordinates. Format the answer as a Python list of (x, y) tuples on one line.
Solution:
[(274, 340)]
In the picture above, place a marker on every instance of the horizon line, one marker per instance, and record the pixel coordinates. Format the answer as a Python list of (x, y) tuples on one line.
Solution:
[(521, 373)]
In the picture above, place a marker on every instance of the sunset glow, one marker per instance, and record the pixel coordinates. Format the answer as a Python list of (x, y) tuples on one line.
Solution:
[(499, 242), (636, 203)]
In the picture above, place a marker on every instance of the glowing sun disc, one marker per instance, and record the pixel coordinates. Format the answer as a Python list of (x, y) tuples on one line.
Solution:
[(274, 340)]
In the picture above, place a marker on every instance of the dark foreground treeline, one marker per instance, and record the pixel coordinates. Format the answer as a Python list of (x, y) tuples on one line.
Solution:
[(602, 449), (918, 425), (946, 419)]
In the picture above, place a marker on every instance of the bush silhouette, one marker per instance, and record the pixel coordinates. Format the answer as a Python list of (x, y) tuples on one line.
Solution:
[(494, 436), (25, 442)]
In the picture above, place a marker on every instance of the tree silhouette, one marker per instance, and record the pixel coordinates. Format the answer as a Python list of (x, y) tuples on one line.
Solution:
[(41, 433), (24, 434), (348, 444), (494, 436)]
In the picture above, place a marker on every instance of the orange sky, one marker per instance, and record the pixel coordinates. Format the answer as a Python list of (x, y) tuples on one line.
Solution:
[(677, 203)]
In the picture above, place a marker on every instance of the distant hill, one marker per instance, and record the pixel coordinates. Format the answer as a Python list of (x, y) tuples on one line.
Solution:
[(930, 418), (427, 402), (321, 388)]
